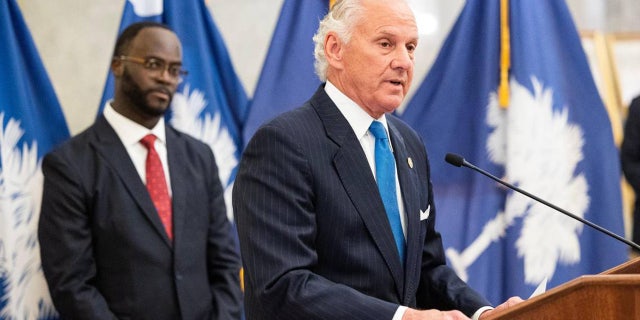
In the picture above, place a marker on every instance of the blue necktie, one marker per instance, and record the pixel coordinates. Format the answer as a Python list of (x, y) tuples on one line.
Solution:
[(386, 179)]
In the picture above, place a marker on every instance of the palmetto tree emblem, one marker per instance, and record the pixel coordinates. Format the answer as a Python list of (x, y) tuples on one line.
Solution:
[(25, 291), (540, 151)]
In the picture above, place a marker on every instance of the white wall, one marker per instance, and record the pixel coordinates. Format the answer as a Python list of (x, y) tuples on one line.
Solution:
[(75, 39)]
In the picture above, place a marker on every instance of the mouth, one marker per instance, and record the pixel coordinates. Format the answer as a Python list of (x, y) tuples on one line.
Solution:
[(398, 83), (162, 94)]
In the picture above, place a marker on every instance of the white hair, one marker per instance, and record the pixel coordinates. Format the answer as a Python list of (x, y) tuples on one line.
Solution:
[(341, 19)]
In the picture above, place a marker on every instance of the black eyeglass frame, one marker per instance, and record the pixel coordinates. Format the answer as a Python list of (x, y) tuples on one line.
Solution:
[(157, 65)]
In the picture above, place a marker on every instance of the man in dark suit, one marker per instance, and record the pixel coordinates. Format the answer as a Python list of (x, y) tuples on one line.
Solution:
[(113, 248), (317, 235), (630, 157)]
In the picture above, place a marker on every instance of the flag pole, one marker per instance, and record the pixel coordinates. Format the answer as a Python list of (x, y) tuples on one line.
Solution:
[(505, 54)]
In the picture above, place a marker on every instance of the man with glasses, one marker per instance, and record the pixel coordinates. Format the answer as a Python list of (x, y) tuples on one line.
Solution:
[(133, 222)]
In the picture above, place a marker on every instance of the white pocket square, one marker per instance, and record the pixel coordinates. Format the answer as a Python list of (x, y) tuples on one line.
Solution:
[(425, 214)]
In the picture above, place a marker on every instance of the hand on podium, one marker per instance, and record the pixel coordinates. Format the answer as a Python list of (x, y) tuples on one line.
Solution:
[(505, 305), (432, 314)]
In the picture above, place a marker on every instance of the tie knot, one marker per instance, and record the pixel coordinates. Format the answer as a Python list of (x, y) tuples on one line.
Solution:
[(377, 129), (148, 141)]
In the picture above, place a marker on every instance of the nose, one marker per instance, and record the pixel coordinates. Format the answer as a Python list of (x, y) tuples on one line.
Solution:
[(164, 72), (403, 59), (165, 76)]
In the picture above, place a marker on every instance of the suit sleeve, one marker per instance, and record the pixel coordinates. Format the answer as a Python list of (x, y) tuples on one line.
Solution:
[(222, 256), (274, 204), (65, 244)]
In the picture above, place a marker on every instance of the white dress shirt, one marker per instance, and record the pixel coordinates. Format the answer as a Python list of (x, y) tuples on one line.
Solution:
[(130, 133)]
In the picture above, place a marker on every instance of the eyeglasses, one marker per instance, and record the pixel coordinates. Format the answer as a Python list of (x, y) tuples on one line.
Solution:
[(158, 66)]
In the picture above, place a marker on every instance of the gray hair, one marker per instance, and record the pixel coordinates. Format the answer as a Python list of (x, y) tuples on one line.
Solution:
[(341, 19)]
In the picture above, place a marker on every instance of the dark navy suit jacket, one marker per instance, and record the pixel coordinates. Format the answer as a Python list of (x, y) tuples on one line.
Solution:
[(630, 157), (315, 239), (104, 250)]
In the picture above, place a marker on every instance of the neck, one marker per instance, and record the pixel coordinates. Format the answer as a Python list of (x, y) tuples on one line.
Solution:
[(129, 111)]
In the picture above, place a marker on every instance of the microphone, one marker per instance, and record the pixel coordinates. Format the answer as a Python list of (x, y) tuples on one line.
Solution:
[(459, 161)]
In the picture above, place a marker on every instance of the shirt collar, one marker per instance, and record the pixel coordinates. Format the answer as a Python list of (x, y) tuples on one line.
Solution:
[(129, 131), (359, 119)]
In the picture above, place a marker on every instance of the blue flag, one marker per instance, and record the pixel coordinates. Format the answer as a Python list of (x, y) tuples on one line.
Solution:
[(288, 76), (32, 123), (210, 103), (553, 140)]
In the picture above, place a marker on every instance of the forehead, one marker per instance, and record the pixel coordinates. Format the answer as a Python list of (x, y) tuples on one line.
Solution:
[(395, 17), (155, 41)]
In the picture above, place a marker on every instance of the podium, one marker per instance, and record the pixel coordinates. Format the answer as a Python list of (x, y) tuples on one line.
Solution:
[(612, 294)]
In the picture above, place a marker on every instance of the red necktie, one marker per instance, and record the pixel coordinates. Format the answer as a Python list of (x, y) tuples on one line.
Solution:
[(157, 184)]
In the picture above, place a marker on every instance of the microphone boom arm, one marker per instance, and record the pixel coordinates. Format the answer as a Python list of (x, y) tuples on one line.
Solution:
[(510, 186)]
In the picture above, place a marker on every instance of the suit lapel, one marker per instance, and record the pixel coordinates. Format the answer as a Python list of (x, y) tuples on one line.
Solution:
[(355, 173), (175, 152), (409, 188), (109, 146)]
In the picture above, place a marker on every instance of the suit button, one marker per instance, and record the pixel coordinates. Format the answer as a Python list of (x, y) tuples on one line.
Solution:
[(178, 277)]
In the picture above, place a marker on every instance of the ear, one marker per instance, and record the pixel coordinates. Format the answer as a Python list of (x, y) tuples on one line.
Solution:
[(333, 50), (117, 67)]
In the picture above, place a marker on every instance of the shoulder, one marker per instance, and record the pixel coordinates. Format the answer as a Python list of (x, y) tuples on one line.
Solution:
[(633, 114), (76, 147), (187, 146), (302, 118), (635, 102), (298, 124), (634, 107), (296, 119), (176, 136)]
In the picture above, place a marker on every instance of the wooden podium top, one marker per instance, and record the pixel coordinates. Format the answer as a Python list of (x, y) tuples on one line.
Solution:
[(629, 267), (612, 294)]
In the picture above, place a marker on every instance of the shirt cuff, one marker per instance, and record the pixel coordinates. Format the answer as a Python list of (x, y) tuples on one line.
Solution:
[(402, 309), (399, 313), (476, 315)]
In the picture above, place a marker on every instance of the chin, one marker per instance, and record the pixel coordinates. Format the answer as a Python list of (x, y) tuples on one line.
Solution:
[(156, 110), (391, 100), (158, 105), (392, 105), (161, 111)]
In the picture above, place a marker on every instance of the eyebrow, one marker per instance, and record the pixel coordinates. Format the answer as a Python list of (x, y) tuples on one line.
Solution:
[(386, 33), (166, 61)]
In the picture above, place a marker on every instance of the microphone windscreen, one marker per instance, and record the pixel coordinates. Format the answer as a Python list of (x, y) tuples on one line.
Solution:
[(454, 159)]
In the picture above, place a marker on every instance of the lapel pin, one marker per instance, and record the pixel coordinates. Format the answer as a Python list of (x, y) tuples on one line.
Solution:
[(410, 162)]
